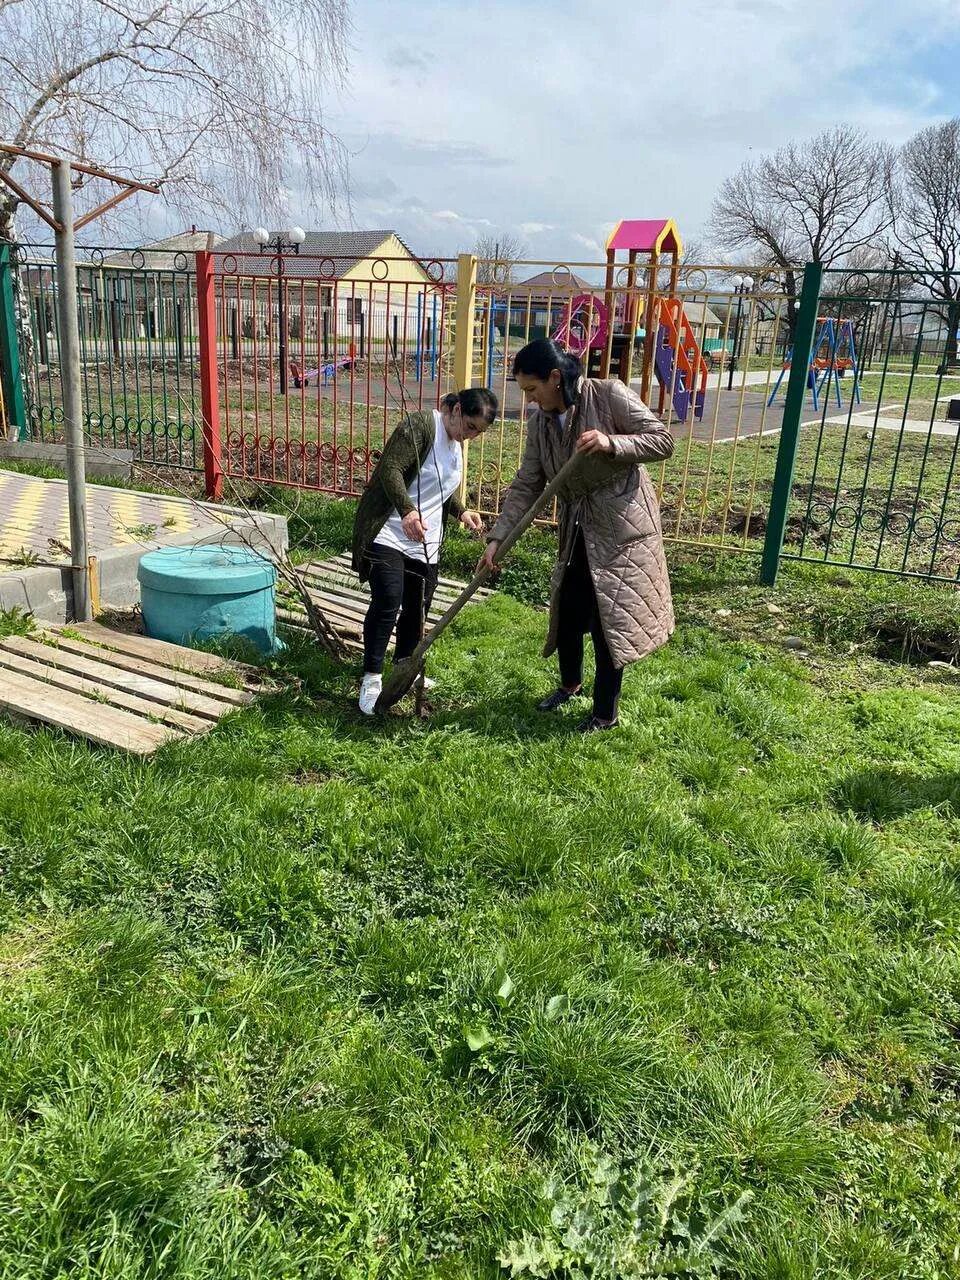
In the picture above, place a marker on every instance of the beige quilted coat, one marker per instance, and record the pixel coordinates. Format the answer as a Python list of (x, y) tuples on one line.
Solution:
[(612, 498)]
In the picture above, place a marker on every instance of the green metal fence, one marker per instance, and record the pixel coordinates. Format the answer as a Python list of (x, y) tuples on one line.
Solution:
[(867, 473), (138, 351)]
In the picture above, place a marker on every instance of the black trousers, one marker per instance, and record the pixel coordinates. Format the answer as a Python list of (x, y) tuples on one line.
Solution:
[(401, 591), (577, 615)]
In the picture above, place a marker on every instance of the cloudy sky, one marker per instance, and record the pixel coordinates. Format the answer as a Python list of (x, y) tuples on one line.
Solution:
[(552, 120)]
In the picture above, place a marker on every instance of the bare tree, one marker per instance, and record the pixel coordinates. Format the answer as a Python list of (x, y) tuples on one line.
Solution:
[(925, 204), (212, 98), (497, 258), (821, 200)]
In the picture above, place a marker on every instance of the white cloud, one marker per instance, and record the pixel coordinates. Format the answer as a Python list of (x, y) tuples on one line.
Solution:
[(581, 140), (579, 116)]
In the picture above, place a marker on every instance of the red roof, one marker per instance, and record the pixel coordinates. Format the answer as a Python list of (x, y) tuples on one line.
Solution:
[(646, 235)]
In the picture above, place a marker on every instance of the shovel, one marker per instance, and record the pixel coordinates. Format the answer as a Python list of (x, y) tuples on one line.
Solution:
[(404, 674)]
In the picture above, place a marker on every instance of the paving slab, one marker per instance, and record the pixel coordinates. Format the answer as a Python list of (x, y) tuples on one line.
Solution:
[(122, 524)]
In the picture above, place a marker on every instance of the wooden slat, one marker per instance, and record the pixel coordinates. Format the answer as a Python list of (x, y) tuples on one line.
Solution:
[(344, 560), (161, 691), (159, 651), (71, 711), (74, 683), (352, 636), (342, 616), (337, 585), (337, 612), (127, 662), (352, 606), (339, 617)]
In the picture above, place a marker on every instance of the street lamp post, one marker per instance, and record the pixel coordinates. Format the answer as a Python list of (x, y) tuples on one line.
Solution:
[(741, 285), (870, 338), (288, 241)]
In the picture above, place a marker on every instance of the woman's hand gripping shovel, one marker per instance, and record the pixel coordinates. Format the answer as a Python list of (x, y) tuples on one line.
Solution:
[(404, 674)]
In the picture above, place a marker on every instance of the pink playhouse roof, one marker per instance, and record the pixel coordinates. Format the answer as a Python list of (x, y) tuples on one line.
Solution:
[(646, 235)]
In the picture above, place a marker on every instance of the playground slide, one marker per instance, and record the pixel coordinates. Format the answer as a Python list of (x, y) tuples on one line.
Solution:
[(678, 361)]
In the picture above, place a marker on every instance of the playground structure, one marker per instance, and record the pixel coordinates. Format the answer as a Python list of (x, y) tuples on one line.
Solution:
[(670, 349), (323, 376), (629, 315), (609, 332), (834, 354)]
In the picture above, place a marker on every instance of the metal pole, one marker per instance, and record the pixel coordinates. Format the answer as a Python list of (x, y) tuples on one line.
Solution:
[(282, 304), (736, 337), (419, 356), (790, 430), (433, 340), (40, 313), (179, 330), (209, 384), (70, 382), (10, 375)]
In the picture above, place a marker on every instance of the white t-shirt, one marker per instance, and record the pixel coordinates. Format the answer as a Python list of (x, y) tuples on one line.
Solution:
[(439, 478)]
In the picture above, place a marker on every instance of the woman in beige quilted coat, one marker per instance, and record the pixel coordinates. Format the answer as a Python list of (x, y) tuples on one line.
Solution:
[(611, 576)]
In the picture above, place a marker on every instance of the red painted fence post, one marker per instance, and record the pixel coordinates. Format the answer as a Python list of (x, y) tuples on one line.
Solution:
[(209, 385)]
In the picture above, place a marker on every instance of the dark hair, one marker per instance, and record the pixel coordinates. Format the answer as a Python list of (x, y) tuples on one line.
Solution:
[(539, 358), (474, 402)]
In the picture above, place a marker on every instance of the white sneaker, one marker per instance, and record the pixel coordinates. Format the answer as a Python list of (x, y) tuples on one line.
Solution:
[(370, 687)]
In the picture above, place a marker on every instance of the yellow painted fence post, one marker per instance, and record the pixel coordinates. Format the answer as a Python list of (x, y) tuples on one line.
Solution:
[(463, 340)]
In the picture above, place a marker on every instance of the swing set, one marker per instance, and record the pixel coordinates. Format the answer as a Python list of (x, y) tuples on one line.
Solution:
[(834, 353)]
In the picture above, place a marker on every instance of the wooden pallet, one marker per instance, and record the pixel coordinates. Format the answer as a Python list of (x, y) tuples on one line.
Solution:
[(344, 600), (118, 689)]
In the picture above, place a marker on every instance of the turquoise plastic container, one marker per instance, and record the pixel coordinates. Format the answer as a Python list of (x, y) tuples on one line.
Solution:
[(190, 594)]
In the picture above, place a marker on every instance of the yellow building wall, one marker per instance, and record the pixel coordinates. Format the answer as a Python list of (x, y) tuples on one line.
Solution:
[(403, 268)]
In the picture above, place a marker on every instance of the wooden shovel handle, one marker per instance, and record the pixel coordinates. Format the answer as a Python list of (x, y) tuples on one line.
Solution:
[(480, 577)]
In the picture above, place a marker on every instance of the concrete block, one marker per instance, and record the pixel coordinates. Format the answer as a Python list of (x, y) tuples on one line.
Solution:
[(115, 464), (46, 591)]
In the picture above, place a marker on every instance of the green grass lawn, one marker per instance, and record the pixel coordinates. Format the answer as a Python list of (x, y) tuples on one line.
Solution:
[(317, 997)]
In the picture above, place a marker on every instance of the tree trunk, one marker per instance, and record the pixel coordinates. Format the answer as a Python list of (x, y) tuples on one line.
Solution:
[(950, 359), (792, 311)]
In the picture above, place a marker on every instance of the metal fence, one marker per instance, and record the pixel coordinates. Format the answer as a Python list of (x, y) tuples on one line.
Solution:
[(714, 490), (315, 369), (138, 351), (254, 372), (869, 479)]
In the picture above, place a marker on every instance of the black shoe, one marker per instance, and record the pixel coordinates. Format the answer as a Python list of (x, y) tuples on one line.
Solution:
[(593, 725), (556, 699)]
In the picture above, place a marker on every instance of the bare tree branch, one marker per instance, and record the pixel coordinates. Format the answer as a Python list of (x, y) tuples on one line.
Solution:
[(924, 198), (818, 200), (822, 200), (127, 84), (497, 258)]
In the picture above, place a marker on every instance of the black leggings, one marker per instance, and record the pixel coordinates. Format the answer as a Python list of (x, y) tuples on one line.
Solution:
[(399, 585), (578, 614)]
